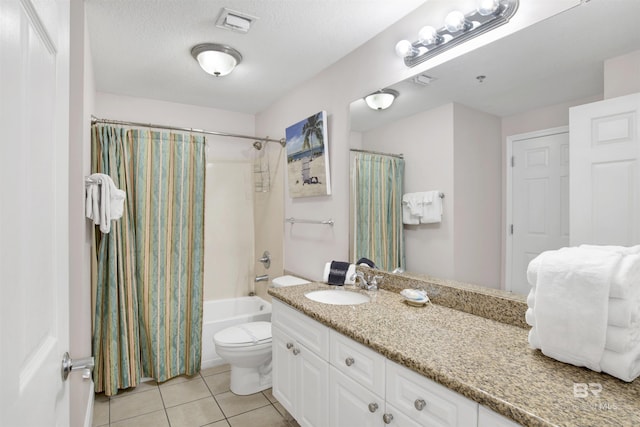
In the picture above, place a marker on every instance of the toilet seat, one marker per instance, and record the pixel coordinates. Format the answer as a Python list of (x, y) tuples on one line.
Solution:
[(244, 335)]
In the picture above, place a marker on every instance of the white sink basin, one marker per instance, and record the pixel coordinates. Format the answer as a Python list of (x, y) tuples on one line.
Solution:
[(338, 297)]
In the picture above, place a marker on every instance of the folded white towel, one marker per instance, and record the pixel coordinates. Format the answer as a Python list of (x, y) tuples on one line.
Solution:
[(534, 341), (623, 312), (431, 207), (104, 201), (531, 297), (411, 208), (621, 340), (626, 282), (571, 302), (530, 317), (625, 366)]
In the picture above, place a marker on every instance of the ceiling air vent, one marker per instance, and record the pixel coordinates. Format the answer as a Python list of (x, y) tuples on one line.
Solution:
[(235, 21), (422, 79)]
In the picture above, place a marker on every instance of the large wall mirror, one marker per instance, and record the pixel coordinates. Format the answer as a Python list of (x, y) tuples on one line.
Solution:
[(452, 126)]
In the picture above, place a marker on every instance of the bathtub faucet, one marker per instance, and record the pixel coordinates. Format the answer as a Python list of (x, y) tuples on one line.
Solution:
[(263, 278)]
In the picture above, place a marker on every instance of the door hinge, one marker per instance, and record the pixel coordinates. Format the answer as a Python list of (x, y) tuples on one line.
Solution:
[(511, 229), (513, 161)]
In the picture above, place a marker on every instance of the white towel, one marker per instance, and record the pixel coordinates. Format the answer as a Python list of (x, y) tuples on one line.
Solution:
[(411, 208), (621, 340), (431, 207), (571, 302), (626, 283), (624, 312), (104, 202), (625, 366)]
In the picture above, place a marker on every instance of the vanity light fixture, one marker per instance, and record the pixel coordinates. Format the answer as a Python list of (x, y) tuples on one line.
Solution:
[(381, 99), (216, 59), (457, 29)]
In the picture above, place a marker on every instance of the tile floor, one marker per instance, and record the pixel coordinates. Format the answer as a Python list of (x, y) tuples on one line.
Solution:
[(201, 400)]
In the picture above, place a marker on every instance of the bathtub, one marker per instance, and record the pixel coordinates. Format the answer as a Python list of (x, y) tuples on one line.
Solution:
[(220, 314)]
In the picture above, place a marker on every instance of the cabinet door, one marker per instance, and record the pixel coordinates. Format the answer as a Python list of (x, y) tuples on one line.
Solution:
[(351, 404), (312, 388), (393, 417), (284, 372), (488, 418)]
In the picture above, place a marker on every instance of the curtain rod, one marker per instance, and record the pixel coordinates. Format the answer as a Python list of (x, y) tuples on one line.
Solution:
[(94, 120), (399, 156)]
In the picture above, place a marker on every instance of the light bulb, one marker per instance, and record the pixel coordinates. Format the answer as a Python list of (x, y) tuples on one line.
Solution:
[(455, 21), (405, 48), (428, 35), (487, 7)]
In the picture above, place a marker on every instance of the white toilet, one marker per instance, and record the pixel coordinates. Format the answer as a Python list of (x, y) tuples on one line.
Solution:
[(247, 348)]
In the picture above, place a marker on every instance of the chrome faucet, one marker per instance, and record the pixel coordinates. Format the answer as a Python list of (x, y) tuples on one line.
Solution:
[(366, 281)]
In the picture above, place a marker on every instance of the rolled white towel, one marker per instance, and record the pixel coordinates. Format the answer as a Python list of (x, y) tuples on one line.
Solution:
[(621, 340), (625, 366)]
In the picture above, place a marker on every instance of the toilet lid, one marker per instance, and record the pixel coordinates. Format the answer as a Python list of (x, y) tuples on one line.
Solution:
[(245, 333)]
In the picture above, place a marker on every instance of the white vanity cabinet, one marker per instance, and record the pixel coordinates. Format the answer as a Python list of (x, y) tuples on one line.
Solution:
[(324, 378), (426, 402), (488, 418), (300, 366)]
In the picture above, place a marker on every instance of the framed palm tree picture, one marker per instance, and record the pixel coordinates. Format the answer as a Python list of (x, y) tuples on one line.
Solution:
[(308, 157)]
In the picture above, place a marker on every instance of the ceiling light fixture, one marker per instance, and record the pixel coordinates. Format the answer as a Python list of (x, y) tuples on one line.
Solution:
[(381, 99), (457, 29), (216, 59)]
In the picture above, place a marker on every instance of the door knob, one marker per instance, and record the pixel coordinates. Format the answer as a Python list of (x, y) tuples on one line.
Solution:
[(349, 361), (373, 407), (69, 365), (387, 418)]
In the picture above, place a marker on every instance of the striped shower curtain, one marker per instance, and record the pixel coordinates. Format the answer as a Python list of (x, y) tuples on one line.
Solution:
[(377, 208), (156, 331)]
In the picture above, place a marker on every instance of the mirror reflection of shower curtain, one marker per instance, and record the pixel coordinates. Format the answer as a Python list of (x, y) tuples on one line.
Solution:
[(376, 200)]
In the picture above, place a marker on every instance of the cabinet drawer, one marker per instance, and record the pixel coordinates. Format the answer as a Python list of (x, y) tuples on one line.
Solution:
[(308, 332), (427, 402), (358, 362)]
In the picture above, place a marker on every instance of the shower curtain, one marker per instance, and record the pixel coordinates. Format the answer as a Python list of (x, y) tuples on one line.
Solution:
[(148, 282), (377, 182)]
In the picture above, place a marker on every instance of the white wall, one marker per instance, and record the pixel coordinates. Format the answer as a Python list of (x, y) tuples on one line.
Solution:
[(427, 141), (622, 75), (477, 198), (370, 67)]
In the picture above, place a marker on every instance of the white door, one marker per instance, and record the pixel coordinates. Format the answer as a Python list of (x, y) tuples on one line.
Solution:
[(34, 126), (605, 180), (312, 388), (539, 200)]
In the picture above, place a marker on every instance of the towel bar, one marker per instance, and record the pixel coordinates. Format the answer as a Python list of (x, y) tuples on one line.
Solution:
[(292, 220)]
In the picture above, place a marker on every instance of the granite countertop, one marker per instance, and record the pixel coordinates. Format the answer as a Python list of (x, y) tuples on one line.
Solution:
[(486, 360)]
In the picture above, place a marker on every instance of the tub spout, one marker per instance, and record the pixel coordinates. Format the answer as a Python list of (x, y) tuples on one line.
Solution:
[(262, 278)]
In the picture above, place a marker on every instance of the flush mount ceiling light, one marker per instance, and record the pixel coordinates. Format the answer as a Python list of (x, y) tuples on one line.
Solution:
[(216, 59), (457, 29), (381, 99)]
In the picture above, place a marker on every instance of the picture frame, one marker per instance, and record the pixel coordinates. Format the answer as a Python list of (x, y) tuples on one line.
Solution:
[(308, 157)]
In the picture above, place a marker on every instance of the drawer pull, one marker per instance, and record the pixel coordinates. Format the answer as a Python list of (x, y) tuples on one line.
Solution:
[(296, 351), (289, 345), (373, 407), (419, 404), (387, 418), (349, 361)]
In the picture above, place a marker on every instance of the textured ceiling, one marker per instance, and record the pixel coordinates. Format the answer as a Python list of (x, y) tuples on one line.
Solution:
[(142, 47)]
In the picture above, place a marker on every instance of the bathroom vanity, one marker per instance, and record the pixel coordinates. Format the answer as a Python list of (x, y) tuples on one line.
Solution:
[(387, 363)]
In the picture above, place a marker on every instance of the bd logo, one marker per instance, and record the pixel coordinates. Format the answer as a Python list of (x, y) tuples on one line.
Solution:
[(582, 390)]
